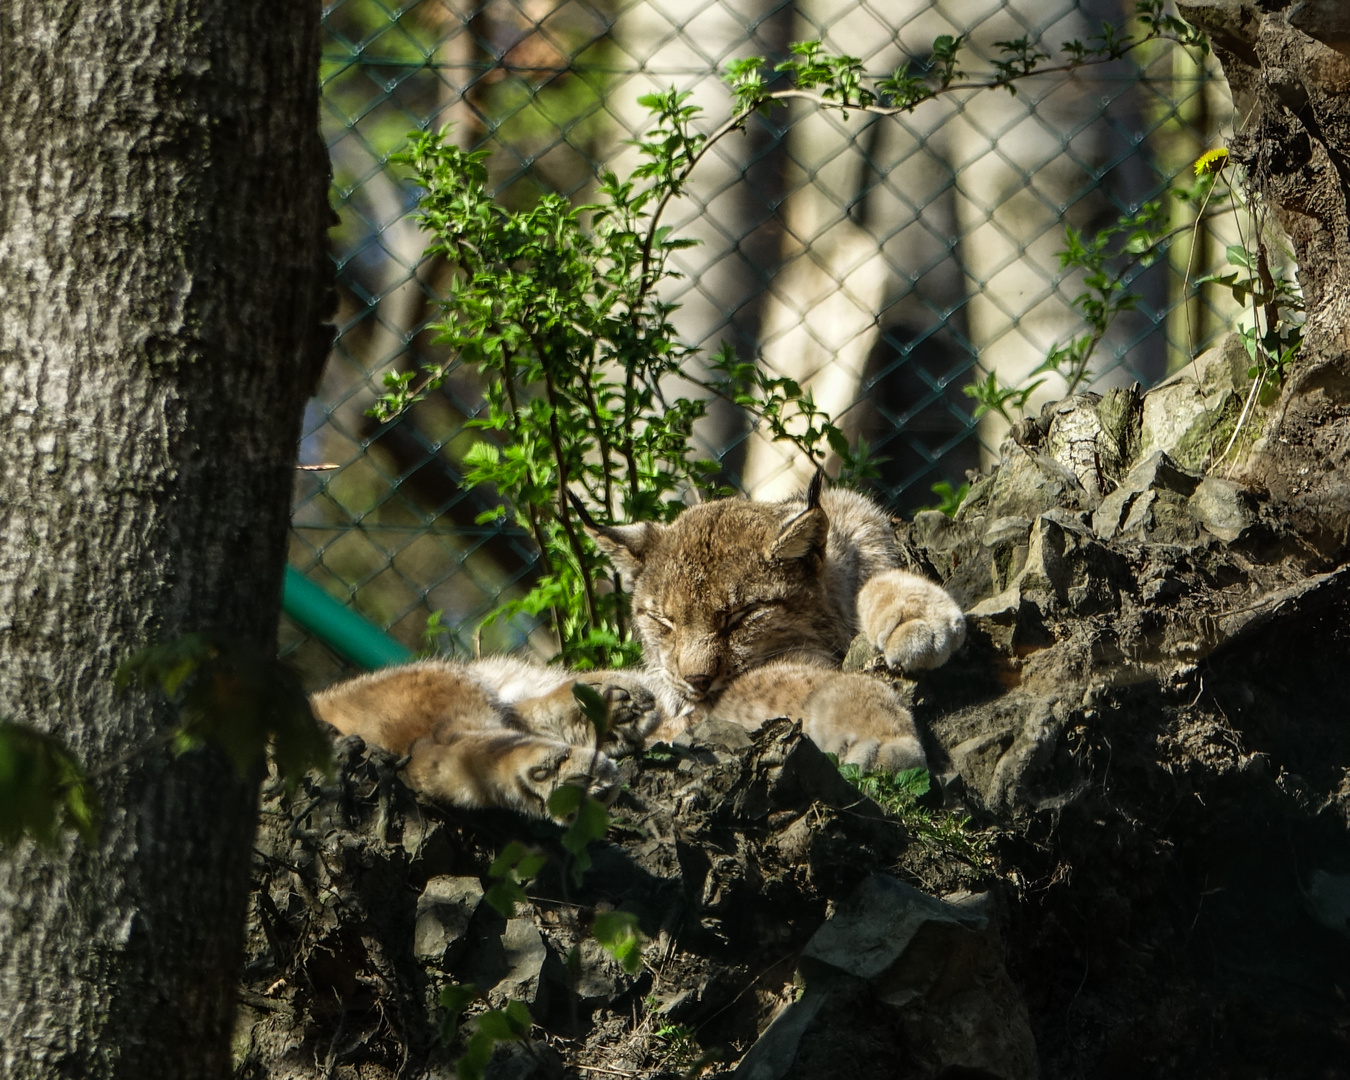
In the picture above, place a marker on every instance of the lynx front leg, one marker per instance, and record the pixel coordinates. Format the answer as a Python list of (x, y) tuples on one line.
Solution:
[(855, 716), (911, 620), (507, 769), (861, 719)]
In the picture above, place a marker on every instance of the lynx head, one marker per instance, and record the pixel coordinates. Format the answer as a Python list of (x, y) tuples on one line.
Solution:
[(726, 587)]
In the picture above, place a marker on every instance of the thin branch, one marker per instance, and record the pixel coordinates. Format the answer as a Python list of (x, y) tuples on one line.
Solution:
[(564, 507), (738, 120)]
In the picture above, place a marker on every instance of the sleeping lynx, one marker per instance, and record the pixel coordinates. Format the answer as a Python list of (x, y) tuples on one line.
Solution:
[(744, 610)]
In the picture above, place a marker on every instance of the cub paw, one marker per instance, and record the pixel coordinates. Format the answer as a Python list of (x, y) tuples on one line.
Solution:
[(911, 620), (633, 711), (890, 754), (514, 771), (583, 767)]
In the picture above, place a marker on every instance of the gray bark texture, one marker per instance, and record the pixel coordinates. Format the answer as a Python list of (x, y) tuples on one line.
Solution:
[(1288, 65), (163, 281)]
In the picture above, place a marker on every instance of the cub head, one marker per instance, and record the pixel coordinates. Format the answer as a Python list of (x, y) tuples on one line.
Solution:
[(726, 587)]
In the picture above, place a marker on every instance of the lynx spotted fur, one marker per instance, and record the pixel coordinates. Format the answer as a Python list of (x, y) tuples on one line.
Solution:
[(744, 610)]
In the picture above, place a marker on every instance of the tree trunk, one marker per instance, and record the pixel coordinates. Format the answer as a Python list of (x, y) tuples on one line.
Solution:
[(163, 278), (1288, 65)]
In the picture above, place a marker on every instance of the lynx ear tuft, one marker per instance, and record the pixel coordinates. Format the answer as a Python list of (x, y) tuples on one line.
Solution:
[(814, 488), (626, 545), (802, 535)]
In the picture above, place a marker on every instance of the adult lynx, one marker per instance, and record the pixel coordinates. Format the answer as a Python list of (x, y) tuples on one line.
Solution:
[(744, 610)]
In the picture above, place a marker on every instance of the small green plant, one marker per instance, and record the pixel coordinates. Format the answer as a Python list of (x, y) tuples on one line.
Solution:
[(1108, 259), (42, 789), (434, 631), (558, 306), (680, 1044), (588, 822), (514, 868), (512, 1023), (1275, 336), (949, 498), (1111, 257), (898, 793)]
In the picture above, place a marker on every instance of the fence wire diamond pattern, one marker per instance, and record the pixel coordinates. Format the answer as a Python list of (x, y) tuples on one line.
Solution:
[(885, 262)]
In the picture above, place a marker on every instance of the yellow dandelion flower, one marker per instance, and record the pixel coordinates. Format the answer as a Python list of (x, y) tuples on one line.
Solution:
[(1212, 161)]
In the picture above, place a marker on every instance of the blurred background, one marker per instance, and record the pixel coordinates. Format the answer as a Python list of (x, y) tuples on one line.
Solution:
[(885, 262)]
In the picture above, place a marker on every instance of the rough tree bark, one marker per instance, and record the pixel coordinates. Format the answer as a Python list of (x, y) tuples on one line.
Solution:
[(1288, 65), (163, 281)]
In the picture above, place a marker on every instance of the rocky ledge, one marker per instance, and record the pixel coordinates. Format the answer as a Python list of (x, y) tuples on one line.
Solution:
[(1146, 739)]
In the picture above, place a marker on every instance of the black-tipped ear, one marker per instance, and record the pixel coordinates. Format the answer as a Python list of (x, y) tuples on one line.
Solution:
[(626, 545), (814, 489)]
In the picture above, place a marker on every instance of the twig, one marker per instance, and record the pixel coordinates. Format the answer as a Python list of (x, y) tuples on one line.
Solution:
[(739, 119)]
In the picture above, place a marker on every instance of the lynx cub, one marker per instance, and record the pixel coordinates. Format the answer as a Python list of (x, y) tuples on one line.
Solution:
[(744, 610), (496, 732)]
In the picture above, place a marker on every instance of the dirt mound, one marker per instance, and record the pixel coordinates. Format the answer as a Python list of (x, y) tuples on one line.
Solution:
[(1147, 728)]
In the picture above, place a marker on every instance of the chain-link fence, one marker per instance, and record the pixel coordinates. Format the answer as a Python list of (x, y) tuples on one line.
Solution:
[(885, 262)]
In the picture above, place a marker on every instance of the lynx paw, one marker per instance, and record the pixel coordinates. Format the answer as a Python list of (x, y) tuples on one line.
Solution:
[(515, 771), (633, 712), (911, 620), (891, 755)]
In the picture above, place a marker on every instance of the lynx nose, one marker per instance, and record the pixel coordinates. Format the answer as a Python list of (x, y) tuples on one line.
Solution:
[(700, 684)]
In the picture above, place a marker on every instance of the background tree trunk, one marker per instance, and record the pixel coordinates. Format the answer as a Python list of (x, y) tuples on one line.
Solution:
[(163, 277), (1289, 69)]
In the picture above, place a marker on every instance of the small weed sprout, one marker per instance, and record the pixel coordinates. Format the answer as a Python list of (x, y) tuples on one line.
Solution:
[(898, 794)]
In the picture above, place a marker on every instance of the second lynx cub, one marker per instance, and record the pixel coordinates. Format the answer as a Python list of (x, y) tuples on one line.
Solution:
[(744, 610)]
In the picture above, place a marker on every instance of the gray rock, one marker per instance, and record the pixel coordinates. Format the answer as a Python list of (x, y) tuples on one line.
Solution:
[(861, 655), (895, 960), (507, 966), (599, 977), (1326, 20), (1075, 439), (717, 740), (873, 929), (535, 1060), (998, 617), (976, 758), (1006, 530), (1067, 568), (1224, 508), (932, 529), (431, 851), (1186, 415), (1328, 899), (1135, 505), (1026, 484), (443, 913)]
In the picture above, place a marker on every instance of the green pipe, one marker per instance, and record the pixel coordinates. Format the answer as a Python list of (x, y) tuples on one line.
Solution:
[(337, 626)]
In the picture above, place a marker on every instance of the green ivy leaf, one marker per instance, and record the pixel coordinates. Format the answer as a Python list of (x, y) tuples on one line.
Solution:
[(235, 698), (42, 789), (617, 933)]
